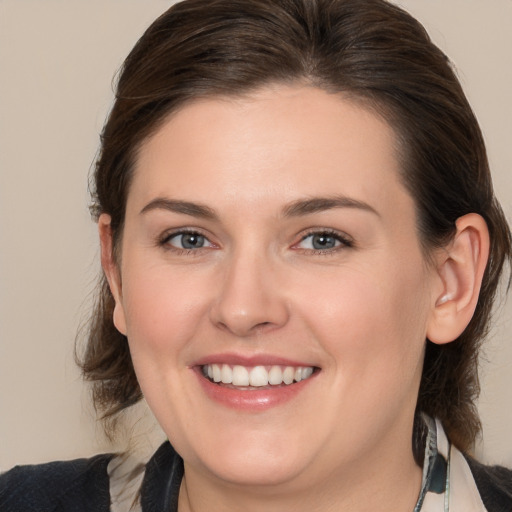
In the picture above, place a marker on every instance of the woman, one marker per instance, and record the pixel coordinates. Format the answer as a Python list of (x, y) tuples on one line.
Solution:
[(301, 247)]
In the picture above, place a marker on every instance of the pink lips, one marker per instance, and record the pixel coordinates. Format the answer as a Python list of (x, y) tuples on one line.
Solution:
[(256, 360), (250, 400)]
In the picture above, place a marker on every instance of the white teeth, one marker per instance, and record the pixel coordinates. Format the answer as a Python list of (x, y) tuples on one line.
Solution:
[(216, 373), (307, 372), (275, 376), (256, 376), (288, 375), (240, 376), (226, 375)]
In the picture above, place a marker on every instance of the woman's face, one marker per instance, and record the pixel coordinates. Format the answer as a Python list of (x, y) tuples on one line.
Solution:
[(269, 237)]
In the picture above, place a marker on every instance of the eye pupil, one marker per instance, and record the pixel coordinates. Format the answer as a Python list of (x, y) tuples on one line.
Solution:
[(192, 240), (323, 241)]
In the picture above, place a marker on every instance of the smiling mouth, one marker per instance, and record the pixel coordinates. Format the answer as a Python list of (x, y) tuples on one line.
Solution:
[(256, 377)]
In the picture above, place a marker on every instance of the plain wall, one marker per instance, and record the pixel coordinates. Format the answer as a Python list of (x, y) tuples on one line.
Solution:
[(57, 60)]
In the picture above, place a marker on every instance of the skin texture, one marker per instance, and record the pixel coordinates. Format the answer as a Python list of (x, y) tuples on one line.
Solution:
[(359, 312)]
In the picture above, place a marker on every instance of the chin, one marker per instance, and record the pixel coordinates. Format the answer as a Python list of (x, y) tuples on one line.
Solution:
[(262, 470), (251, 458)]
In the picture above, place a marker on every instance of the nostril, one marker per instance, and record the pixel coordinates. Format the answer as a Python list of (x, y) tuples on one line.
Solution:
[(261, 325), (243, 329)]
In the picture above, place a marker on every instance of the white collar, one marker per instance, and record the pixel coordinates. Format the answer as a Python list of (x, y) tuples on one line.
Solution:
[(460, 492)]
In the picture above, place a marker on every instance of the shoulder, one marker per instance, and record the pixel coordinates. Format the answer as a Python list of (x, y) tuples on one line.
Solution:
[(494, 484), (74, 486)]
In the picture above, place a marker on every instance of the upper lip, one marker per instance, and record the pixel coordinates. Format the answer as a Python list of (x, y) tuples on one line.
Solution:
[(252, 360)]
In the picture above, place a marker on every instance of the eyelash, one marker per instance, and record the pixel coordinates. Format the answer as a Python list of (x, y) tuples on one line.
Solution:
[(344, 242), (164, 242)]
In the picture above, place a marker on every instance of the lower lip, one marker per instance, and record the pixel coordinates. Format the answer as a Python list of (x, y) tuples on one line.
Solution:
[(252, 400)]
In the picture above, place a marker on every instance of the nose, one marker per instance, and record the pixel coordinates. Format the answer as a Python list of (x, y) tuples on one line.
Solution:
[(251, 299)]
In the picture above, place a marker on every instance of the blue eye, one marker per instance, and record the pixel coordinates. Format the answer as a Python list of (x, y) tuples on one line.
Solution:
[(323, 241), (188, 241)]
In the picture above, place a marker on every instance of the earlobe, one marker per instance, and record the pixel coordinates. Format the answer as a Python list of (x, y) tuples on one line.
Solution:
[(460, 269), (111, 270)]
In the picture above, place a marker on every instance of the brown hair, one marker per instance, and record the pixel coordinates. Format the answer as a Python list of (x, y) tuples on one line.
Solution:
[(369, 49)]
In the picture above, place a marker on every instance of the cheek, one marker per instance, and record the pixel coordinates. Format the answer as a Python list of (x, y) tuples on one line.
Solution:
[(372, 321), (163, 308), (163, 311)]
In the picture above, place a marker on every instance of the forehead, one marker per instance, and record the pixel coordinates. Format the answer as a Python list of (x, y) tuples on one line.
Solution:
[(274, 144)]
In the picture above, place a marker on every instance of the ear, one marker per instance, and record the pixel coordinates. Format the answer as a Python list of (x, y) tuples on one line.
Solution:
[(460, 270), (111, 270)]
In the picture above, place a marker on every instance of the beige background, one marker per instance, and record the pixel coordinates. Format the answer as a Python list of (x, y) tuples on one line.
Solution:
[(57, 59)]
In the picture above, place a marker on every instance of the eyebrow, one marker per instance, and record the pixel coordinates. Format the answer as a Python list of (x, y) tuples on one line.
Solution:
[(319, 204), (183, 207), (298, 208)]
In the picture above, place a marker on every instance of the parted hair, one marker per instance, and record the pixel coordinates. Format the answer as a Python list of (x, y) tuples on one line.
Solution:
[(369, 50)]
